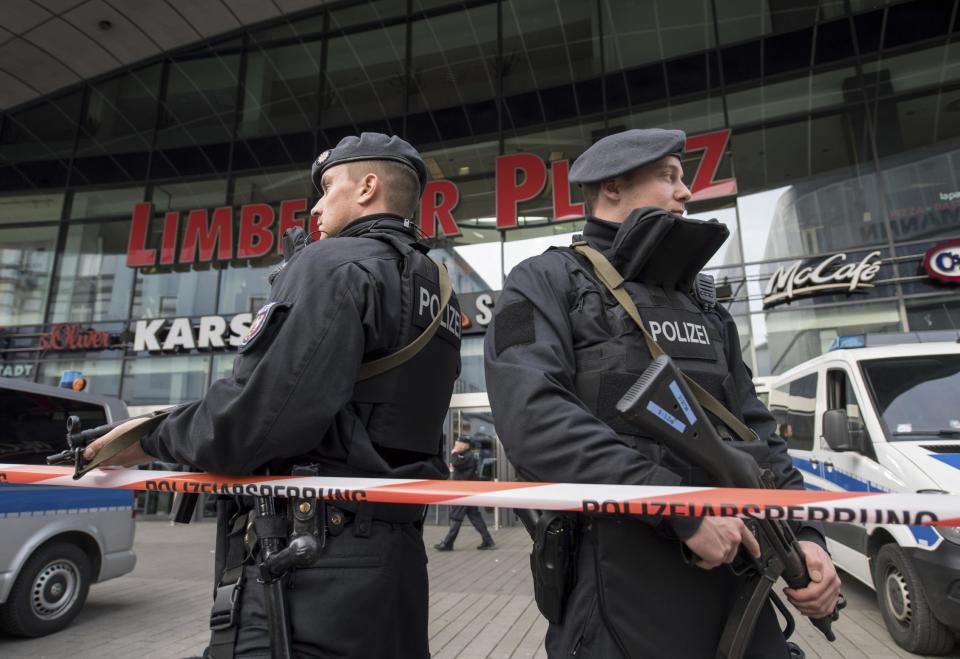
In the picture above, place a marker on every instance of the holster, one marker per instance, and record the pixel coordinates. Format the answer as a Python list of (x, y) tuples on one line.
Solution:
[(553, 563)]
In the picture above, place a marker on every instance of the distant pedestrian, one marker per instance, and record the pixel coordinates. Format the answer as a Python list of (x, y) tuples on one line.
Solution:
[(465, 467)]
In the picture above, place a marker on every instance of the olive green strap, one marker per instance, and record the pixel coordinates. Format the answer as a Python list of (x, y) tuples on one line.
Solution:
[(125, 440), (614, 282), (379, 366)]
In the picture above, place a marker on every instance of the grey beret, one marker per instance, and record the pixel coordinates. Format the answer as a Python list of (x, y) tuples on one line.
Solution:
[(619, 153), (369, 146)]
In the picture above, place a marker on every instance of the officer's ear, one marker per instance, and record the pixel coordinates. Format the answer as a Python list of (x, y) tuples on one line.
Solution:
[(368, 188), (611, 190)]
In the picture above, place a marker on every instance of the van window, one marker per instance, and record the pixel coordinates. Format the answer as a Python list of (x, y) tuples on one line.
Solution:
[(793, 406), (33, 426), (841, 396), (916, 396)]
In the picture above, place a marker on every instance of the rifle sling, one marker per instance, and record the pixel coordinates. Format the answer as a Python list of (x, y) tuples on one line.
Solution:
[(389, 362), (612, 279)]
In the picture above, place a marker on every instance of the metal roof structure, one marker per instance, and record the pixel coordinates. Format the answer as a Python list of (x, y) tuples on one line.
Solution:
[(47, 45)]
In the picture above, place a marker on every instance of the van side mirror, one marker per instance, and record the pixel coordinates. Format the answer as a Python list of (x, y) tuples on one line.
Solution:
[(837, 431)]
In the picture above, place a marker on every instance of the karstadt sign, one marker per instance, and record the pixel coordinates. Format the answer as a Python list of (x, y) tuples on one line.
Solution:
[(204, 236)]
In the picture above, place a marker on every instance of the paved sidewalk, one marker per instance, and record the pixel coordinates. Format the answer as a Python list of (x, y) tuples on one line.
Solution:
[(481, 605)]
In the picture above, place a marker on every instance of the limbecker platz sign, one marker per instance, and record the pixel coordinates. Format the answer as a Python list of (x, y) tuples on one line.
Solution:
[(204, 235)]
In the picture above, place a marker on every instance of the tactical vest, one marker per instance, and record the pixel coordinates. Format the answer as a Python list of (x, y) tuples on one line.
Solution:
[(688, 330), (403, 408)]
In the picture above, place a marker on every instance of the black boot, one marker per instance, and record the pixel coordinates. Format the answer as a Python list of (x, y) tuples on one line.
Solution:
[(487, 543), (443, 546)]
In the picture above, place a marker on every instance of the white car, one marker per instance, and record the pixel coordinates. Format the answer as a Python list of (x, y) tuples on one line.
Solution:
[(885, 419)]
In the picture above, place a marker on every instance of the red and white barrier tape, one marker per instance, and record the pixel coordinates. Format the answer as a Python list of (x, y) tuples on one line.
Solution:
[(794, 505)]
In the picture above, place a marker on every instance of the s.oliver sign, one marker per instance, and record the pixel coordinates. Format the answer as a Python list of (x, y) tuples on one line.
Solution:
[(205, 236)]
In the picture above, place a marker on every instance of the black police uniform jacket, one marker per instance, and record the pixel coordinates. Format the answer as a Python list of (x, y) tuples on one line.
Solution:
[(559, 355), (293, 395), (465, 466)]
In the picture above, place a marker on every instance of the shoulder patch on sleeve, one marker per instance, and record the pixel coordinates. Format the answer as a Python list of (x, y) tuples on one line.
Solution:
[(261, 320), (513, 325)]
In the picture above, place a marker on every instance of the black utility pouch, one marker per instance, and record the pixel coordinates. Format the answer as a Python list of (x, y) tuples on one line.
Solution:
[(553, 563)]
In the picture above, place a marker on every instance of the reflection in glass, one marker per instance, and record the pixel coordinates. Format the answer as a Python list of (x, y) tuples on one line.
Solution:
[(121, 113), (364, 82), (472, 378), (244, 288), (273, 186), (466, 275), (788, 337), (194, 194), (102, 375), (94, 282), (31, 208), (222, 365), (174, 294), (548, 48), (105, 203), (200, 102), (164, 380), (26, 258), (453, 76), (281, 90)]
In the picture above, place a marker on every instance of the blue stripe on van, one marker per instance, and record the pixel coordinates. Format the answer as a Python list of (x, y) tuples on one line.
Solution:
[(43, 498), (952, 459), (846, 481)]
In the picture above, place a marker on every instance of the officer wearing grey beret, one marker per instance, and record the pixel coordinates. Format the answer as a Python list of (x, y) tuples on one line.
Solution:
[(561, 352), (304, 394)]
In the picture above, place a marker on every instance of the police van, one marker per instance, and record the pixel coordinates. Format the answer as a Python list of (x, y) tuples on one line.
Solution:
[(881, 413), (55, 542)]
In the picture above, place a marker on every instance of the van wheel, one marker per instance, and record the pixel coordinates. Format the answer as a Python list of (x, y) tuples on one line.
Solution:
[(48, 593), (904, 605)]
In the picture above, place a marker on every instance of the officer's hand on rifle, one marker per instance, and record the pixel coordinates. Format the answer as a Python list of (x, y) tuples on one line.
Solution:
[(819, 598), (718, 539), (130, 456)]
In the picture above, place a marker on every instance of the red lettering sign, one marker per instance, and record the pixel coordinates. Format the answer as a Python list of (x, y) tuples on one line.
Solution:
[(168, 248), (439, 200), (70, 336), (562, 208), (256, 238), (137, 253), (713, 146), (519, 177), (199, 230), (510, 192)]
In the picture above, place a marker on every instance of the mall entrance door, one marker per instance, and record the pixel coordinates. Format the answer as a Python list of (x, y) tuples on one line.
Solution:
[(470, 418)]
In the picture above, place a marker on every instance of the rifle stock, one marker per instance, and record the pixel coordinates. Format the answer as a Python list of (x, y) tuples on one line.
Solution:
[(661, 404)]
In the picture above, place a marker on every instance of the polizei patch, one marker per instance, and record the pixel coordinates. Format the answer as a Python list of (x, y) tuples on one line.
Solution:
[(260, 322), (426, 305)]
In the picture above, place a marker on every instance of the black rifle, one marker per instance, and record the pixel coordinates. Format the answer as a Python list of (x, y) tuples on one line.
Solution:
[(77, 439), (661, 404)]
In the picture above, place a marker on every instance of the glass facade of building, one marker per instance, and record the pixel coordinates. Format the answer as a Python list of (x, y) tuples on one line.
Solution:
[(844, 137)]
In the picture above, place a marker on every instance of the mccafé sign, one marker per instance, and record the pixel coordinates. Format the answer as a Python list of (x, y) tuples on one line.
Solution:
[(831, 274), (203, 235)]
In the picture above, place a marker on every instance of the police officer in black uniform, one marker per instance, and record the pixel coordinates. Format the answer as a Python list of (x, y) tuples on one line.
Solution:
[(561, 352), (363, 292), (466, 467)]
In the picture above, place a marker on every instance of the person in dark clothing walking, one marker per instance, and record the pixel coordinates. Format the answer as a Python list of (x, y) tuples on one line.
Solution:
[(466, 467), (347, 371)]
